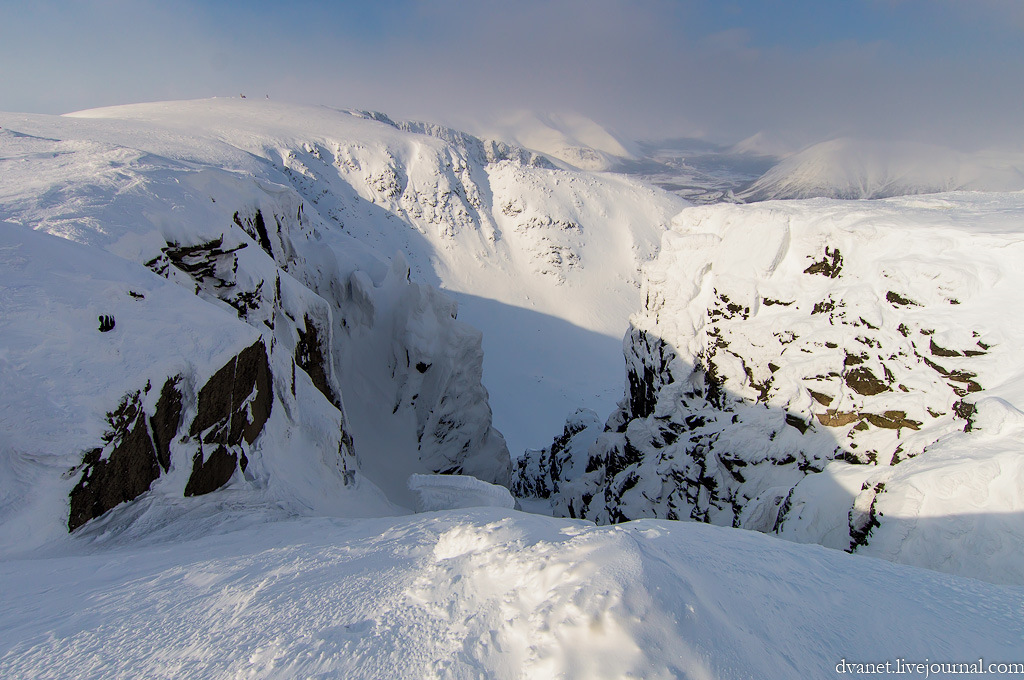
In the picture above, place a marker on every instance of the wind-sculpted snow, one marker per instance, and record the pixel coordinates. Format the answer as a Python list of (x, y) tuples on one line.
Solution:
[(450, 492), (481, 593), (846, 373)]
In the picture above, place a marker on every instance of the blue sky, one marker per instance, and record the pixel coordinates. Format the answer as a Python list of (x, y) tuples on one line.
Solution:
[(936, 70)]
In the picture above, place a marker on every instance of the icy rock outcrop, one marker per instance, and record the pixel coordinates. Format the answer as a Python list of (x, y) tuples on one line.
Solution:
[(790, 363)]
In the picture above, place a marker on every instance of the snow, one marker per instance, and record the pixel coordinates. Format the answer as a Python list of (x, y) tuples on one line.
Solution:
[(481, 593), (494, 234), (571, 138), (450, 492)]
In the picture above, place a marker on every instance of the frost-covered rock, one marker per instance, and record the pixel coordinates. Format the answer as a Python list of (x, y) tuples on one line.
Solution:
[(817, 370)]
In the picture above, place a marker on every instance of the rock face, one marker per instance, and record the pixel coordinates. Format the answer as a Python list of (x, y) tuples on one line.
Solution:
[(312, 325), (126, 471), (784, 371), (233, 406)]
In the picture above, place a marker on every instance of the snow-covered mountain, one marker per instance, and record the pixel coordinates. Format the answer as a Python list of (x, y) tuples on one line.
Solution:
[(845, 373), (851, 168), (230, 356), (160, 184)]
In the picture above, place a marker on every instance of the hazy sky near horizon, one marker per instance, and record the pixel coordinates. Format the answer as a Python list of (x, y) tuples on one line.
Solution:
[(945, 71)]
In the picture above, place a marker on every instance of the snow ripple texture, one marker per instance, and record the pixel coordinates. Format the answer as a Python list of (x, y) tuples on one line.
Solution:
[(483, 593)]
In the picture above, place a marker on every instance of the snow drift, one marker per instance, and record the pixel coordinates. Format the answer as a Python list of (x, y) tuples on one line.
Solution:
[(483, 593)]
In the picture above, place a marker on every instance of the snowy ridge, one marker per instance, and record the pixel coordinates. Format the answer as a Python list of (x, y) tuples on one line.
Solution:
[(850, 168), (819, 370), (569, 138)]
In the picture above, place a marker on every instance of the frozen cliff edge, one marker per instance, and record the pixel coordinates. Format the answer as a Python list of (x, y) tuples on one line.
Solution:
[(844, 373)]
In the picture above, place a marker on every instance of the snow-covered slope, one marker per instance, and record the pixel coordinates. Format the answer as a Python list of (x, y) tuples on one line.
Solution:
[(846, 373), (496, 226), (484, 593), (570, 138), (314, 233), (851, 168), (173, 325)]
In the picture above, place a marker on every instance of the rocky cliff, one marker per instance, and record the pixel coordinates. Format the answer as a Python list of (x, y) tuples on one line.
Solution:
[(797, 370)]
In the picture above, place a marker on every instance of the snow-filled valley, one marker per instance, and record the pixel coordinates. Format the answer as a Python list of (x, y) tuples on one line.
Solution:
[(241, 342)]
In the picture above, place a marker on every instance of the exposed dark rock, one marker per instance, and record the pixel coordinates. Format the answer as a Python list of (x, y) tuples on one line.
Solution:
[(642, 396), (164, 423), (309, 356), (831, 265), (862, 524), (898, 300), (834, 418), (892, 420), (796, 421), (222, 400), (824, 307), (127, 472), (199, 261), (964, 380), (213, 473), (854, 359), (215, 399), (252, 378), (821, 398), (247, 300), (862, 381), (234, 405), (257, 229), (941, 351), (967, 411)]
